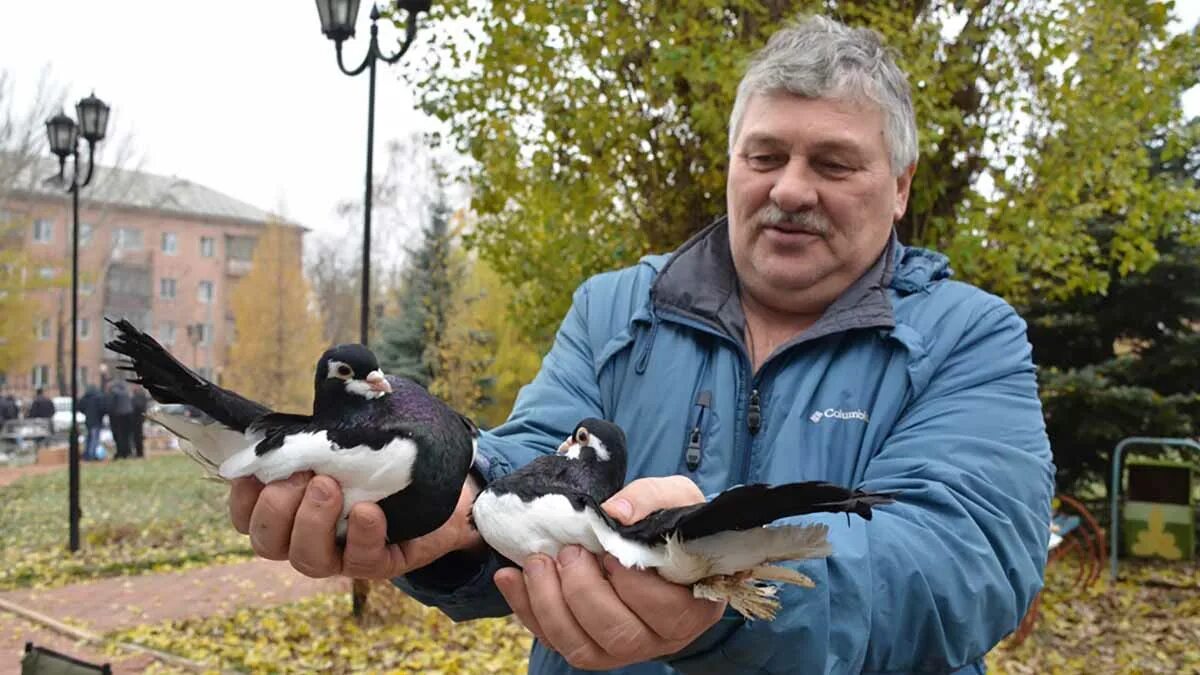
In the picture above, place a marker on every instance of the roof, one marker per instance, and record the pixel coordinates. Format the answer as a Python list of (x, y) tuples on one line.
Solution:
[(132, 189)]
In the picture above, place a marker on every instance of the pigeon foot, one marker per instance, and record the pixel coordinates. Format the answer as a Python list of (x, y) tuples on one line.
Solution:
[(746, 591)]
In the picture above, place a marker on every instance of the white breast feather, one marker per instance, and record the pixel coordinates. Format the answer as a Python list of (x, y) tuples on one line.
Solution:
[(366, 475)]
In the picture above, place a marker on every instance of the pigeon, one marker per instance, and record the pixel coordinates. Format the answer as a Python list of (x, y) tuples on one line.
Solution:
[(385, 439), (721, 548)]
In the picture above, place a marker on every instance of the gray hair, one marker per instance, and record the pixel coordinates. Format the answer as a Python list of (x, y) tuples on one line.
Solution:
[(816, 57)]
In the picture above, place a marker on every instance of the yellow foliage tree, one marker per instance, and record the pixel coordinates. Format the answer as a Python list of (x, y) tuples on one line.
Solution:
[(17, 280), (278, 335), (484, 356)]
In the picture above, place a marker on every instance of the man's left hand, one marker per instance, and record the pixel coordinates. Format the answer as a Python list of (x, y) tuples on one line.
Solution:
[(598, 621)]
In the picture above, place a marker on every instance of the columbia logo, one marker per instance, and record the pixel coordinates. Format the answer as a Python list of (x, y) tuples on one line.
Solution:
[(833, 413)]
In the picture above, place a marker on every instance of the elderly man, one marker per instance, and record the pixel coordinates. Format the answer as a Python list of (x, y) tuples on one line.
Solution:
[(796, 340)]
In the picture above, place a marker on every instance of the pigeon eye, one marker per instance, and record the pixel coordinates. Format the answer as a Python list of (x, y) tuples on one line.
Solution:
[(344, 371), (581, 436)]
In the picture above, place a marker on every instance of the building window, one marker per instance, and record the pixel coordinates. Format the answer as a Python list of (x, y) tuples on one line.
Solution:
[(3, 377), (170, 243), (85, 329), (166, 333), (43, 231), (127, 238), (199, 334), (82, 375), (42, 329), (240, 248), (86, 288), (204, 291), (208, 247), (47, 272), (40, 376), (85, 234), (166, 288)]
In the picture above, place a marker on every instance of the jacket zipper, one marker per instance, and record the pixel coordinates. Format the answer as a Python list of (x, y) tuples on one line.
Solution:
[(754, 414), (695, 450)]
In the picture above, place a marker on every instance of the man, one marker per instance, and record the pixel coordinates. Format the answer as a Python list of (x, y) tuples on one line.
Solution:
[(91, 404), (797, 340), (41, 407), (120, 418), (8, 408), (137, 425)]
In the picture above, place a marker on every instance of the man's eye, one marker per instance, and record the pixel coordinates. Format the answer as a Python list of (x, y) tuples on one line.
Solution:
[(833, 167), (765, 160), (344, 371)]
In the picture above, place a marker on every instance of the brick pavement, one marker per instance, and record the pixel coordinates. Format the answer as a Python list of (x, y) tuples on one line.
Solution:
[(106, 605)]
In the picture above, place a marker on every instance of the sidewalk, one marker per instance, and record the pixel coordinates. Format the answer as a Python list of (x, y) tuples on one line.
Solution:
[(106, 605)]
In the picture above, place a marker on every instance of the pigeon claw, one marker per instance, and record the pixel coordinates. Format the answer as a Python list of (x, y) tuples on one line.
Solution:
[(747, 592)]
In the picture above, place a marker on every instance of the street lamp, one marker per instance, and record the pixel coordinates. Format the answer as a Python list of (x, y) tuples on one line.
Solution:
[(63, 134), (337, 23)]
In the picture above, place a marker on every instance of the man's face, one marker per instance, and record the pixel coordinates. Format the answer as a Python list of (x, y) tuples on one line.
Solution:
[(811, 198)]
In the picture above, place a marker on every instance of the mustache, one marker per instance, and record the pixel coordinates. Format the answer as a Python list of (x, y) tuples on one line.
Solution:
[(810, 222)]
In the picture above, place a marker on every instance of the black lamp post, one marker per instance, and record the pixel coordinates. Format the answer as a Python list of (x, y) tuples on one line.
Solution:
[(337, 23), (64, 142)]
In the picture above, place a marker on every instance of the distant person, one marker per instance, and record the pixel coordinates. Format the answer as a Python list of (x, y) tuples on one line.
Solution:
[(120, 417), (140, 402), (8, 409), (93, 408), (41, 407)]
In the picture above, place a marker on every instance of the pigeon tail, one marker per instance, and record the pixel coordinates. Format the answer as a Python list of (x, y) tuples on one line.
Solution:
[(736, 551), (169, 381), (208, 443)]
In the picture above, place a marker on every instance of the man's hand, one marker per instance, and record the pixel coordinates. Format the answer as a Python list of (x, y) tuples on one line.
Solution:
[(295, 519), (598, 623)]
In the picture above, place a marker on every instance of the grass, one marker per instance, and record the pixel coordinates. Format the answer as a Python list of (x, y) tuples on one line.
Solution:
[(137, 516)]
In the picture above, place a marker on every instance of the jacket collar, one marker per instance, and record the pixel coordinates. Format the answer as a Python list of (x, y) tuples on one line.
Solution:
[(699, 283)]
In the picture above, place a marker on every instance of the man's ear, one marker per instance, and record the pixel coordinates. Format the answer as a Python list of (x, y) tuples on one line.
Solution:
[(903, 185)]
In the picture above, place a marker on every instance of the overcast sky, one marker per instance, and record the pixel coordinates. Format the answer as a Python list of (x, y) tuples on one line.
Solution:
[(243, 96)]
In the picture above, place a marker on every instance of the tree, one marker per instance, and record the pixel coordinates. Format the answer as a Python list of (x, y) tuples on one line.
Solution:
[(335, 271), (408, 343), (489, 357), (593, 147), (278, 335), (1126, 362)]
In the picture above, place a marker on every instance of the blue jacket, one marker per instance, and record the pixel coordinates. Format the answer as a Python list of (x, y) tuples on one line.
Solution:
[(909, 382)]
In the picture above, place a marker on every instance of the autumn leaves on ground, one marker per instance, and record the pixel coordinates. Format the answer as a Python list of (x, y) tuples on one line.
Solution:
[(158, 515)]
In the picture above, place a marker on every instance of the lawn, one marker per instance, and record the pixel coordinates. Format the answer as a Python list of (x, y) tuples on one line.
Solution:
[(137, 516)]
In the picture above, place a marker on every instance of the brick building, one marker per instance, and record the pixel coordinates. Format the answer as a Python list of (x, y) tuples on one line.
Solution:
[(163, 252)]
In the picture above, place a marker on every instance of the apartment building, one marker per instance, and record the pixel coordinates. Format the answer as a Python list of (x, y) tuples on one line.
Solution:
[(161, 251)]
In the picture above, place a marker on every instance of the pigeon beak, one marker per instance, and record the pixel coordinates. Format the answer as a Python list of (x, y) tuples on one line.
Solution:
[(378, 382), (565, 446)]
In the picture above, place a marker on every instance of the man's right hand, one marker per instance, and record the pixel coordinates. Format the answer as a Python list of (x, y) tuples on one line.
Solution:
[(295, 520)]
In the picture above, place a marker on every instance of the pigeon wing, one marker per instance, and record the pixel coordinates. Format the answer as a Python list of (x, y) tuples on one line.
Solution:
[(748, 506), (169, 381)]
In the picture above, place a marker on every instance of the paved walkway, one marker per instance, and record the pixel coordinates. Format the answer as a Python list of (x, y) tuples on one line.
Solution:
[(122, 602)]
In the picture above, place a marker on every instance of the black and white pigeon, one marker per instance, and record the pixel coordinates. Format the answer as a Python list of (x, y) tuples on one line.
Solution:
[(385, 439), (721, 548)]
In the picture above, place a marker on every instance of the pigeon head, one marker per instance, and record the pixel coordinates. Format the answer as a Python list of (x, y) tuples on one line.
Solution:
[(348, 374), (599, 442)]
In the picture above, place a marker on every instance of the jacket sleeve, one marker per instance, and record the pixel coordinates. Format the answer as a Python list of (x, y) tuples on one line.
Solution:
[(545, 413), (933, 581)]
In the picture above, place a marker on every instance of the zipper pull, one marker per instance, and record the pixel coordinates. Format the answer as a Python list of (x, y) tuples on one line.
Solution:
[(754, 415), (694, 450)]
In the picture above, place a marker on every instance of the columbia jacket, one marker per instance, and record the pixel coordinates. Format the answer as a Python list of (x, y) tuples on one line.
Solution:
[(909, 382)]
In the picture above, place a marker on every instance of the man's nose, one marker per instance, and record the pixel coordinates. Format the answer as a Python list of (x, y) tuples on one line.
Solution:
[(796, 187)]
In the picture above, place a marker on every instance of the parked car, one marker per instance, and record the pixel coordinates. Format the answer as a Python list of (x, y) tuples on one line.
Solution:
[(61, 422)]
